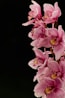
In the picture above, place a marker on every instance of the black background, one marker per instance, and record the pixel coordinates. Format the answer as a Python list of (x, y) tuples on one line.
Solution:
[(16, 77)]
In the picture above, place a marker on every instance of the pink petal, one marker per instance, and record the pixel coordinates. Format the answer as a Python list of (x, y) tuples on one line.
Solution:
[(58, 50), (59, 94), (28, 23), (46, 42), (41, 43), (48, 7), (57, 9), (60, 31), (40, 87), (53, 65), (32, 64), (41, 74), (62, 67), (51, 32), (37, 43), (37, 33), (39, 90), (55, 14), (38, 53), (36, 9)]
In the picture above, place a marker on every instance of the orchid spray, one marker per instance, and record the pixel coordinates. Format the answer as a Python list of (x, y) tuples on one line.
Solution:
[(49, 48)]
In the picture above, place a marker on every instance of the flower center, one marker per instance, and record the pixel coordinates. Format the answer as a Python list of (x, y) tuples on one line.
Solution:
[(35, 61), (29, 17), (45, 16), (53, 41), (54, 76), (48, 90)]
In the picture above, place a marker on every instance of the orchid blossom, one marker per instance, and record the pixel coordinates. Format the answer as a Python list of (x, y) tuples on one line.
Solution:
[(49, 62)]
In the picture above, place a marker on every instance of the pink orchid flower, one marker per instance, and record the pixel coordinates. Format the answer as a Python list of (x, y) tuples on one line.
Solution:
[(57, 41), (42, 72), (54, 38), (56, 70), (51, 13), (53, 70), (35, 10), (41, 42), (40, 60), (36, 33), (45, 42), (34, 14), (49, 88)]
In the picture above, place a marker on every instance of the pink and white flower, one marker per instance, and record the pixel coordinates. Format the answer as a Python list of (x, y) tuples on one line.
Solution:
[(50, 33), (35, 10), (34, 14), (56, 70), (53, 70), (36, 33), (51, 13), (43, 71), (40, 60), (49, 88)]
